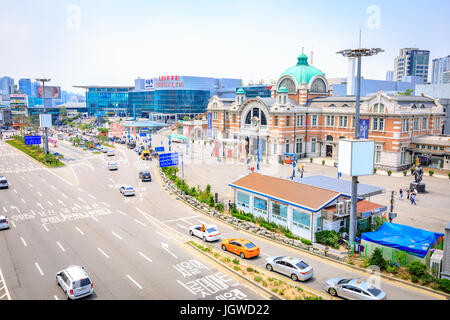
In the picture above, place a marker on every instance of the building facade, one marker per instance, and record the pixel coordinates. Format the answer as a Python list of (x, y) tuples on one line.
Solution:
[(412, 62), (442, 92), (302, 117), (440, 66), (111, 100), (5, 84), (263, 91)]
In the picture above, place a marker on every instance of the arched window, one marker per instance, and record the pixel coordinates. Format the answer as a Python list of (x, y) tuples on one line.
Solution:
[(215, 105), (288, 84), (422, 106), (329, 138), (332, 105), (256, 112), (413, 106), (345, 105), (318, 85)]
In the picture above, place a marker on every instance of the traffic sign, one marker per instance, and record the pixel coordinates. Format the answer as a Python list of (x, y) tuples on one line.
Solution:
[(159, 149), (29, 140), (142, 134), (168, 159)]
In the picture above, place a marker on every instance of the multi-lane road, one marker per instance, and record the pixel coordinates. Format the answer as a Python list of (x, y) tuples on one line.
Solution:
[(133, 248)]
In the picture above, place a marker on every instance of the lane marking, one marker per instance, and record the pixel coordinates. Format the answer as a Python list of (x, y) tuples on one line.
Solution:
[(121, 212), (165, 246), (37, 266), (64, 195), (62, 203), (31, 186), (140, 222), (40, 205), (94, 218), (4, 209), (14, 225), (145, 257), (23, 241), (120, 238), (90, 195), (173, 220), (45, 227), (53, 187), (40, 194), (161, 234), (103, 252), (181, 226), (59, 244), (22, 200), (79, 230), (4, 286), (134, 281), (50, 203), (15, 190), (81, 200)]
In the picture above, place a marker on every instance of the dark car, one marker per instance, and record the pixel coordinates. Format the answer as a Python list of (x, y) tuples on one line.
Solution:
[(131, 145), (145, 176), (122, 142)]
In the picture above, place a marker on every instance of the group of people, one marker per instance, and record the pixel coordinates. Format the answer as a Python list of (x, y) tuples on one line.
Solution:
[(410, 195)]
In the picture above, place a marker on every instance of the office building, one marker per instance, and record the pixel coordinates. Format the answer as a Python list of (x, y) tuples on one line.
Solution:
[(25, 86), (411, 62), (5, 84), (390, 75), (440, 66), (442, 92)]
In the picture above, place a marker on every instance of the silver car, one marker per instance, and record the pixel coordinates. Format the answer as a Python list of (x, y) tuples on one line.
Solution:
[(353, 289), (292, 267), (75, 282), (3, 182), (4, 224)]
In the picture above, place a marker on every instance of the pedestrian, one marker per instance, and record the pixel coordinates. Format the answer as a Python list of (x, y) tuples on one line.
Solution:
[(412, 171), (301, 173), (230, 206), (408, 192), (413, 199), (401, 194)]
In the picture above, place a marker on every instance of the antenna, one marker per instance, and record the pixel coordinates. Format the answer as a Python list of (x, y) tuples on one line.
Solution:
[(302, 49), (360, 37)]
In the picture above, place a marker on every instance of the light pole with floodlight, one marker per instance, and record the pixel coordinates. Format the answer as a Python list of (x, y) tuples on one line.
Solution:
[(44, 80)]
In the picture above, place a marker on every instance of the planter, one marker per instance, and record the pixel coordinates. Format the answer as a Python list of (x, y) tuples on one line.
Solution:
[(389, 172), (404, 172)]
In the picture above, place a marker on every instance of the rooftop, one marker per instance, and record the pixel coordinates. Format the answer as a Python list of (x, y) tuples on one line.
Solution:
[(363, 206)]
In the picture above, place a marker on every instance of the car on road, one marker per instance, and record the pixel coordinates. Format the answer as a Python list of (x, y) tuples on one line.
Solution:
[(112, 166), (4, 224), (145, 155), (353, 289), (208, 233), (241, 247), (75, 282), (127, 190), (104, 149), (292, 267), (110, 152), (131, 145), (3, 182), (145, 176)]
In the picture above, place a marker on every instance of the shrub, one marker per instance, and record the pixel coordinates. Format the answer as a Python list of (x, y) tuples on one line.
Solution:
[(328, 238), (264, 283), (257, 278), (374, 170), (392, 269), (311, 160), (449, 175), (250, 270), (430, 172), (236, 268), (427, 278), (377, 259), (389, 172), (306, 241), (444, 285), (323, 162), (414, 278), (219, 207), (313, 298), (236, 261), (417, 268), (405, 276), (404, 172)]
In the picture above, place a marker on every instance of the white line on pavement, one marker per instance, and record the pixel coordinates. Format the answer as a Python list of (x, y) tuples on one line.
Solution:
[(14, 225), (53, 187), (43, 180), (45, 227), (59, 244), (64, 195), (40, 205), (181, 226), (120, 238), (37, 266), (173, 220), (49, 203), (140, 222), (15, 190), (31, 186), (22, 200), (22, 178), (165, 246), (121, 212), (162, 234), (81, 200), (134, 281), (23, 241), (4, 285), (79, 230), (4, 209), (90, 195), (103, 252), (39, 194), (56, 298), (62, 203), (94, 218), (145, 257)]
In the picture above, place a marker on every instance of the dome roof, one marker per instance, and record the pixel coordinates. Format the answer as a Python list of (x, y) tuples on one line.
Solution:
[(240, 91), (282, 90), (302, 71)]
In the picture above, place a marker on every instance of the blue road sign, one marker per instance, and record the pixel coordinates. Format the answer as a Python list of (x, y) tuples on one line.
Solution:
[(159, 149), (363, 128), (168, 159), (142, 134), (29, 140), (56, 154)]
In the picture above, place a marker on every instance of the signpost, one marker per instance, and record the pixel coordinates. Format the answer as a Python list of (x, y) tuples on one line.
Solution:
[(159, 149), (168, 159), (30, 140)]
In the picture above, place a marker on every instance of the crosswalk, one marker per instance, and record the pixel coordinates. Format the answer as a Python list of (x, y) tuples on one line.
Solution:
[(4, 293)]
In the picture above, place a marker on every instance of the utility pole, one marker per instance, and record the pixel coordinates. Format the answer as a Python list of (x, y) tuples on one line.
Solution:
[(357, 53), (43, 80)]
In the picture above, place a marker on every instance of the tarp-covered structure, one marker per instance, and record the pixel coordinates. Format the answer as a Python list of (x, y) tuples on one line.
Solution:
[(413, 241)]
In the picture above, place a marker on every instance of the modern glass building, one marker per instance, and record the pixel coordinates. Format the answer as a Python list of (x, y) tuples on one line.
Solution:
[(107, 99), (25, 86)]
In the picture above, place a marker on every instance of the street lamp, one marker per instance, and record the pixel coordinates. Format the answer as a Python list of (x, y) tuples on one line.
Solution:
[(44, 80), (356, 53), (256, 125)]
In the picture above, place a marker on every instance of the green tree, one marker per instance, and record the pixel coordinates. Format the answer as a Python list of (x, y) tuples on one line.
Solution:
[(407, 92), (377, 259), (417, 268)]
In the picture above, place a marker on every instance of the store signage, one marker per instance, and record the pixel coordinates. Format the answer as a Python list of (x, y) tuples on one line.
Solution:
[(149, 84), (169, 82)]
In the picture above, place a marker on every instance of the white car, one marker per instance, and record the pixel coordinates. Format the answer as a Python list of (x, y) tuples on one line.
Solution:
[(3, 182), (75, 282), (112, 166), (104, 149), (127, 190), (292, 267), (110, 152), (209, 234), (4, 222)]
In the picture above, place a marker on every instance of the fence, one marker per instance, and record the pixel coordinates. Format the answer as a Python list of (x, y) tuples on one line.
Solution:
[(401, 257)]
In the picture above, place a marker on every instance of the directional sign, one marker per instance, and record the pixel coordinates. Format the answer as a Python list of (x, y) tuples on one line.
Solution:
[(159, 149), (142, 134), (168, 159), (29, 140)]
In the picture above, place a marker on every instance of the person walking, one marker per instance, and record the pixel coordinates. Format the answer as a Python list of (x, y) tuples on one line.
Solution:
[(301, 173), (408, 193), (413, 199), (401, 194)]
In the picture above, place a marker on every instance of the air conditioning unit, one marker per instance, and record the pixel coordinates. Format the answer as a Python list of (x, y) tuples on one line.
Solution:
[(436, 263), (340, 208), (348, 206)]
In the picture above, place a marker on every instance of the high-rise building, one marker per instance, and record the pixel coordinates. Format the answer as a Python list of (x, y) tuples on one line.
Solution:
[(440, 66), (446, 77), (390, 75), (411, 62), (25, 86), (34, 88), (5, 84)]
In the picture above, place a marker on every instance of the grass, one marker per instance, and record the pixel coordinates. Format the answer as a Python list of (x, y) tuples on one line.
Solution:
[(35, 152)]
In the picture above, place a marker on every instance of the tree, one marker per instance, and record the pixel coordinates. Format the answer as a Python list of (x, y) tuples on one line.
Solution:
[(186, 118), (63, 112), (377, 259), (407, 92)]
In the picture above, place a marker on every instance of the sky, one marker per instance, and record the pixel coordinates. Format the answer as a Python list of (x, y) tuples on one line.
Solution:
[(113, 42)]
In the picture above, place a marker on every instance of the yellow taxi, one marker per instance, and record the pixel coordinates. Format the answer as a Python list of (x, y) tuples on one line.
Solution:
[(241, 247)]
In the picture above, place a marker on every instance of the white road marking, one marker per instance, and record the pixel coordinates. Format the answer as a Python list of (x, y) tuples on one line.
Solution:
[(121, 212), (45, 227), (90, 195), (31, 186), (22, 200), (165, 246), (15, 190), (4, 209), (43, 180), (4, 286), (49, 203), (59, 244), (173, 220), (103, 252), (79, 230), (140, 222), (64, 195), (12, 222), (62, 203), (32, 211), (56, 298), (94, 218), (53, 187), (181, 226), (145, 257), (40, 194), (81, 200), (14, 207), (37, 266), (23, 241), (162, 234), (120, 238), (22, 178), (40, 205), (134, 281)]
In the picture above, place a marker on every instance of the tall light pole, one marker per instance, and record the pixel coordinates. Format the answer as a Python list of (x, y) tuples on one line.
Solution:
[(44, 80), (256, 124), (356, 53)]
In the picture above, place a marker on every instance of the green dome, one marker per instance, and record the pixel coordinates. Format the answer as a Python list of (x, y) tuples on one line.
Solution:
[(302, 71), (240, 91), (282, 90)]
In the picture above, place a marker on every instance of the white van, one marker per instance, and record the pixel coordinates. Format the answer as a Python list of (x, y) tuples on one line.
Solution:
[(75, 282)]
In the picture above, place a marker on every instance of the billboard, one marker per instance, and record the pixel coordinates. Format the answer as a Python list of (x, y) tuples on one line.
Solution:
[(50, 92)]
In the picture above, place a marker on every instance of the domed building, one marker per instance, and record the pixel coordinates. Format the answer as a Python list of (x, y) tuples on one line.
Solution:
[(303, 119)]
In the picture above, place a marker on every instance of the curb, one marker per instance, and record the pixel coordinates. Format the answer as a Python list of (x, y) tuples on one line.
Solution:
[(30, 157), (445, 295)]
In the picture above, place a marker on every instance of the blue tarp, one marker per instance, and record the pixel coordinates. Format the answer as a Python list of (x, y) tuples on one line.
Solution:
[(398, 236)]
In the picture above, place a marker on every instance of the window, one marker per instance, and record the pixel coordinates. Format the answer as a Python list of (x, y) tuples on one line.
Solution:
[(313, 144), (318, 86), (319, 224), (279, 211), (405, 125), (378, 149), (378, 124), (353, 122), (403, 156), (243, 199), (299, 120), (299, 146), (234, 118), (437, 123), (330, 121), (287, 121), (424, 123), (378, 108), (215, 116), (214, 133), (301, 219), (288, 84), (340, 121), (260, 205), (275, 121), (287, 146), (314, 120), (345, 121), (249, 245), (416, 124)]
